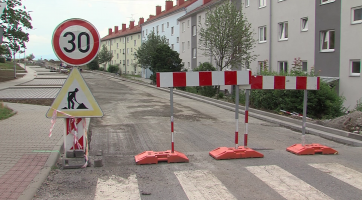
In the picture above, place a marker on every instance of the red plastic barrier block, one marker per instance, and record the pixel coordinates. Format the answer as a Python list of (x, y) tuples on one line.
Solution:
[(311, 149), (224, 153), (151, 157)]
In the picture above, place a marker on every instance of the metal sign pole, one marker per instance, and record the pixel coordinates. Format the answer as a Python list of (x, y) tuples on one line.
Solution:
[(236, 116), (304, 115), (247, 92), (171, 103)]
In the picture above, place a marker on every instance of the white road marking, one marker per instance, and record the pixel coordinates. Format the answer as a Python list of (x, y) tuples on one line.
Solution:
[(202, 184), (342, 173), (118, 188), (285, 183)]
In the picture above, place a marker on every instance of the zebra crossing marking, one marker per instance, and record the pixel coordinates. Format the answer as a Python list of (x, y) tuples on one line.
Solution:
[(202, 184), (117, 188), (285, 183), (345, 174)]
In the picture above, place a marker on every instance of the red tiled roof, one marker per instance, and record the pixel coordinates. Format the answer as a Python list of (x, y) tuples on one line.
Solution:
[(136, 29), (163, 13), (200, 8)]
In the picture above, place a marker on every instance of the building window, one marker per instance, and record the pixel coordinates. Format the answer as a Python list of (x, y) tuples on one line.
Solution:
[(283, 31), (168, 41), (178, 39), (127, 39), (183, 26), (357, 15), (143, 33), (188, 65), (262, 34), (171, 30), (283, 67), (355, 67), (131, 49), (139, 36), (247, 3), (199, 18), (262, 66), (183, 46), (146, 31), (193, 30), (194, 52), (168, 24), (163, 27), (127, 50), (188, 44), (188, 23), (123, 51), (157, 29), (327, 41), (326, 1), (262, 3), (172, 46), (135, 42), (127, 62), (304, 66), (117, 56), (304, 24)]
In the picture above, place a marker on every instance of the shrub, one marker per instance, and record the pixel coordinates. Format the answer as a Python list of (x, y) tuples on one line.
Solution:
[(2, 60), (113, 68), (220, 95), (101, 69), (359, 105), (93, 65), (191, 89)]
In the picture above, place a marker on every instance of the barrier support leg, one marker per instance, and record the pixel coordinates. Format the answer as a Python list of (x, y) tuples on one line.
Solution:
[(308, 149)]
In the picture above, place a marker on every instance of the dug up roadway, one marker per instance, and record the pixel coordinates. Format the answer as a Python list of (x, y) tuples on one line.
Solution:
[(27, 154)]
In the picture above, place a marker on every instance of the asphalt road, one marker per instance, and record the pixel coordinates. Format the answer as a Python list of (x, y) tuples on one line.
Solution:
[(137, 118)]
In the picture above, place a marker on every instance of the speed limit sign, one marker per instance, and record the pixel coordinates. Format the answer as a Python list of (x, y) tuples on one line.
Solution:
[(76, 42)]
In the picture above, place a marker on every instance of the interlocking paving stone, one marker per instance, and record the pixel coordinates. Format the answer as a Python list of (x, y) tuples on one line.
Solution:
[(45, 82), (29, 93)]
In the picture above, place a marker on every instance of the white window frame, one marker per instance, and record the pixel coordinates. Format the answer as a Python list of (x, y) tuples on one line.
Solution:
[(323, 39), (262, 34), (282, 31), (168, 24), (188, 23), (172, 31), (351, 65), (194, 30), (352, 15), (163, 27), (183, 26), (304, 61), (304, 24), (135, 42), (283, 64), (262, 3), (177, 40), (194, 53), (247, 3), (172, 46), (326, 1)]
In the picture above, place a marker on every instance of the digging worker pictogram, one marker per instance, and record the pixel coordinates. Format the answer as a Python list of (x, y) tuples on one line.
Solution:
[(71, 96)]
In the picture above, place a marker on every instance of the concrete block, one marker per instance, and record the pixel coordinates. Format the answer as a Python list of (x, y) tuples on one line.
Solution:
[(98, 163), (79, 153), (99, 153), (69, 154)]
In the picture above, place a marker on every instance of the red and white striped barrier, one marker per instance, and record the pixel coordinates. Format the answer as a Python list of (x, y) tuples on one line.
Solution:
[(205, 78), (284, 83), (71, 130)]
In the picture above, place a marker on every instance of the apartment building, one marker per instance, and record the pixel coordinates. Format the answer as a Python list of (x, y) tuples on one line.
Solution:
[(165, 23), (322, 33), (123, 44)]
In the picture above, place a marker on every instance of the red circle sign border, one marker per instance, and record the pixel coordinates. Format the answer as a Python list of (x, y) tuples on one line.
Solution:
[(71, 22)]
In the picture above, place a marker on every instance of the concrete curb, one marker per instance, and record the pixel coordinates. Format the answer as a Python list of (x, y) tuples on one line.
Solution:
[(31, 190)]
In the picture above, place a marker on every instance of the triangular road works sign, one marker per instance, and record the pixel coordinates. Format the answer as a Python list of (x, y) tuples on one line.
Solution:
[(75, 99)]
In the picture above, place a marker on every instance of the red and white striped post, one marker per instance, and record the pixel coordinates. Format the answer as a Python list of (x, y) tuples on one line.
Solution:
[(171, 104), (247, 92), (236, 116)]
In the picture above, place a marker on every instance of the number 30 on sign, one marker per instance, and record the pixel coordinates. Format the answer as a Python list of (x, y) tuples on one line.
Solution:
[(76, 42)]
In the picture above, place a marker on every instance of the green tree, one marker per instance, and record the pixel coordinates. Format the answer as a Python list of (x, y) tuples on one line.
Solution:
[(30, 57), (14, 19), (164, 59), (104, 55), (5, 51), (146, 51), (93, 65), (227, 36)]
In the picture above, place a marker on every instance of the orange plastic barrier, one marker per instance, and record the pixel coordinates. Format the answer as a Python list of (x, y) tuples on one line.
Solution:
[(311, 149), (223, 153), (151, 157)]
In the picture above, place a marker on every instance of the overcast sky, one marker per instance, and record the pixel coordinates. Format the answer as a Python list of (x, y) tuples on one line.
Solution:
[(103, 14)]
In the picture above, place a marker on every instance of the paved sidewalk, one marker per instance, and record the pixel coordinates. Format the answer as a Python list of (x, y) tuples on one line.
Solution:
[(26, 152)]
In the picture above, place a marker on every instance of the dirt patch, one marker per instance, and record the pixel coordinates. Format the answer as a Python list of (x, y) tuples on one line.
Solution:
[(42, 102), (351, 122), (8, 75)]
